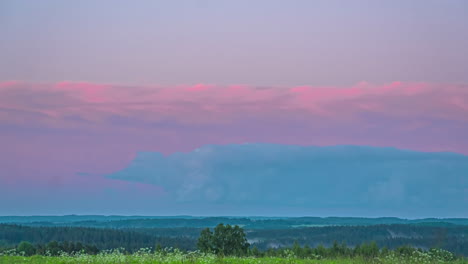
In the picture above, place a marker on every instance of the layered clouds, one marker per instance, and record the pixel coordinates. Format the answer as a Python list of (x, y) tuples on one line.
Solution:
[(61, 138), (399, 107)]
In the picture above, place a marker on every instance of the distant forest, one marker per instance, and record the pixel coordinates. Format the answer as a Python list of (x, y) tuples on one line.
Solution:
[(263, 234), (246, 222)]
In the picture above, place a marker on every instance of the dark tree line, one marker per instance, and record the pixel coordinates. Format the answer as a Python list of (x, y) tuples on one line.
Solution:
[(227, 240), (54, 248), (451, 238), (11, 235), (197, 222)]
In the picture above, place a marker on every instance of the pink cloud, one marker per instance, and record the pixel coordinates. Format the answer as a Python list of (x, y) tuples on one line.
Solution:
[(87, 92), (218, 104), (50, 132)]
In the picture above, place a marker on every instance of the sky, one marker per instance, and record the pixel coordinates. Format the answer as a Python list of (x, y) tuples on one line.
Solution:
[(87, 86)]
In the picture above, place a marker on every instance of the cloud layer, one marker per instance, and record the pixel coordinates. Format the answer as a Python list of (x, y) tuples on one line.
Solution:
[(62, 137), (420, 116), (209, 104)]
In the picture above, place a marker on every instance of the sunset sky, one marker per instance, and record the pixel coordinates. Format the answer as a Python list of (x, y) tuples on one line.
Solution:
[(87, 85)]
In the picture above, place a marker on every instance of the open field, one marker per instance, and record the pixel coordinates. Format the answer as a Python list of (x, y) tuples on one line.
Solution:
[(135, 260), (198, 258)]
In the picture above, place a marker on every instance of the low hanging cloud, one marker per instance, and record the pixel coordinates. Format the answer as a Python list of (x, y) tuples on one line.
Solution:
[(268, 175)]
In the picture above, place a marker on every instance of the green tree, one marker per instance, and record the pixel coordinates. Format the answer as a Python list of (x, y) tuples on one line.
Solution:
[(158, 247), (27, 248), (225, 240), (307, 251), (321, 251), (53, 247), (369, 250), (255, 252), (205, 241), (296, 249)]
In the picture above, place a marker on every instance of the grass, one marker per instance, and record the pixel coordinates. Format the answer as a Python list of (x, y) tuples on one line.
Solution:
[(138, 260), (177, 257)]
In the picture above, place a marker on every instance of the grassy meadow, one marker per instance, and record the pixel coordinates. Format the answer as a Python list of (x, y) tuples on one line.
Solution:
[(176, 257)]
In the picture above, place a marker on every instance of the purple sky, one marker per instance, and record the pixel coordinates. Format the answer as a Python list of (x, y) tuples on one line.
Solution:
[(85, 85), (263, 42)]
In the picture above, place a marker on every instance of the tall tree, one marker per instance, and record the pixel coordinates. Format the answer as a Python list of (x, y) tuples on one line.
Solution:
[(27, 248), (205, 241), (225, 240)]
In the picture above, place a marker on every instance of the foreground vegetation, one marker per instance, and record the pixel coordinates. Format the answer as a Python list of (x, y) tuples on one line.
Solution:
[(196, 257)]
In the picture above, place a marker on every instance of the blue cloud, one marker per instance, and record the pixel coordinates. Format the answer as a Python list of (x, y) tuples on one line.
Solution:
[(326, 179)]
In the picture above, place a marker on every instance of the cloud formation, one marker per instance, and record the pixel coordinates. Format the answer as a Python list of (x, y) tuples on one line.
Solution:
[(257, 176), (52, 132), (68, 102), (362, 114)]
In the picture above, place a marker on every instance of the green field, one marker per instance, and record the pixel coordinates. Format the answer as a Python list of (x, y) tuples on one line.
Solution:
[(144, 256)]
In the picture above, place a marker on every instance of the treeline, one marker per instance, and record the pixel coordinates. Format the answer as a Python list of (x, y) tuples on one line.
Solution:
[(451, 238), (336, 251), (100, 238), (202, 222), (223, 240)]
